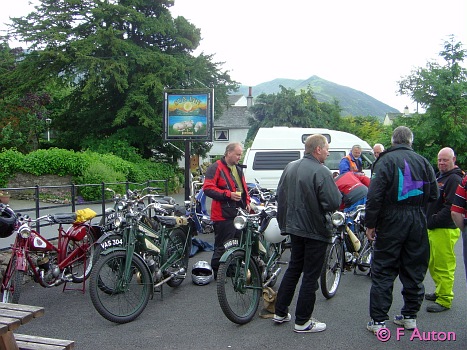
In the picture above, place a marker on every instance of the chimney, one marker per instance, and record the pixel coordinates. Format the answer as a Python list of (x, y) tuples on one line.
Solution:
[(249, 98)]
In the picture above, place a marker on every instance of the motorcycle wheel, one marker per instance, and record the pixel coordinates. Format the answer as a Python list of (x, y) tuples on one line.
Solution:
[(11, 290), (239, 291), (366, 255), (273, 248), (177, 245), (111, 241), (331, 272), (81, 268), (128, 299)]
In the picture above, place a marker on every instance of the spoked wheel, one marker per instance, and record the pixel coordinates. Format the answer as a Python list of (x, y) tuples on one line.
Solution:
[(273, 249), (366, 255), (239, 290), (127, 299), (178, 245), (81, 268), (331, 272), (11, 288), (114, 240)]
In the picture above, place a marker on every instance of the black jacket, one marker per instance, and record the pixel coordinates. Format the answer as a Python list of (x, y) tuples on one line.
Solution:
[(401, 179), (439, 213), (305, 194)]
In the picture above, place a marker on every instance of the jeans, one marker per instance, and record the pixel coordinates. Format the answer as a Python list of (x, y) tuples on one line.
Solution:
[(307, 257)]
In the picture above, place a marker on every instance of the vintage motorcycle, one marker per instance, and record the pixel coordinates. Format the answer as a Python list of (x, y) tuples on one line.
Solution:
[(350, 249), (70, 260), (148, 251), (250, 264)]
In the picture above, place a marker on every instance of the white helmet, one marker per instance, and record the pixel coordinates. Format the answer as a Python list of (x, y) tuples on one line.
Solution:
[(272, 233), (201, 273)]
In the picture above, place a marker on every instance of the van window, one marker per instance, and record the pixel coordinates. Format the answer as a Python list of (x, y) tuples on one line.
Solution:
[(274, 160), (332, 162), (368, 158)]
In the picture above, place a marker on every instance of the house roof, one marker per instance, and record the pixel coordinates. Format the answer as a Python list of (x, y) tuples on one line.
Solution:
[(234, 117), (233, 99)]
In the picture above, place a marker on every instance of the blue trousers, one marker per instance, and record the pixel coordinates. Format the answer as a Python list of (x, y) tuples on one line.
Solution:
[(307, 257)]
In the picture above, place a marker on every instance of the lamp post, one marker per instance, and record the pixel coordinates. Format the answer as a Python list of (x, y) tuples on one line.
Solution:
[(48, 121)]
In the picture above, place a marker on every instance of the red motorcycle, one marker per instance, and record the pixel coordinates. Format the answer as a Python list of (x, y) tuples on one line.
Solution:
[(70, 260)]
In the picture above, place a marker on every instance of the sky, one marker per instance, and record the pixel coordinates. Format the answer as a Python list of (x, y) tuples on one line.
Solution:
[(368, 45)]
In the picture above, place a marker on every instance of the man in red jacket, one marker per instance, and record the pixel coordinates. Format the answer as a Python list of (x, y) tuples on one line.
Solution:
[(354, 188), (225, 184)]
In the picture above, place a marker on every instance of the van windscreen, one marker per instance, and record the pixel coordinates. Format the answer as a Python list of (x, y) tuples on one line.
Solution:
[(274, 160)]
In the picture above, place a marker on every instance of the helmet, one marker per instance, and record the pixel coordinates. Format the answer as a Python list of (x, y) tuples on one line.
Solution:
[(7, 221), (272, 233), (201, 273)]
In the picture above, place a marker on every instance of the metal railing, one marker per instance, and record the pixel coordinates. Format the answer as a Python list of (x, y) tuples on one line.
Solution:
[(75, 200)]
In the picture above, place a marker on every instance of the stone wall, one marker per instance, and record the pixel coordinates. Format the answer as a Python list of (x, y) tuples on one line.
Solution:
[(25, 183)]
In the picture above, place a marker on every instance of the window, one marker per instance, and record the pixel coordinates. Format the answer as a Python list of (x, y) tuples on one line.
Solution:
[(221, 135), (332, 162), (274, 160)]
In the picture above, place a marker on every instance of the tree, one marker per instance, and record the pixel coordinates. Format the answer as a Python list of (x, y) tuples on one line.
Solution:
[(112, 60), (289, 108), (442, 91)]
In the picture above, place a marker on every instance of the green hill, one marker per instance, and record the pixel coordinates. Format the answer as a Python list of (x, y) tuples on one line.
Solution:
[(352, 102)]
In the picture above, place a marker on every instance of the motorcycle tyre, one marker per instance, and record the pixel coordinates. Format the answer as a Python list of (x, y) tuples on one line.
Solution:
[(15, 282), (97, 253), (332, 261), (178, 238), (224, 281), (140, 270)]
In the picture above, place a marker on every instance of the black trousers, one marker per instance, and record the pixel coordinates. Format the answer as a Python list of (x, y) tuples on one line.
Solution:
[(401, 249), (307, 257), (223, 231)]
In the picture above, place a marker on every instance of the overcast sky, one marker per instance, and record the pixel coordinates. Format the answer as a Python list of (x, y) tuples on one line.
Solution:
[(367, 45)]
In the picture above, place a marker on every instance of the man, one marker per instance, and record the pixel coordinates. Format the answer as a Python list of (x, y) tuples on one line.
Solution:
[(306, 195), (443, 233), (377, 150), (225, 184), (403, 183), (458, 211), (354, 188), (352, 162)]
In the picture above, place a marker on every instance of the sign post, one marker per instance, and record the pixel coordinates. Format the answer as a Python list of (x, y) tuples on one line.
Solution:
[(188, 116)]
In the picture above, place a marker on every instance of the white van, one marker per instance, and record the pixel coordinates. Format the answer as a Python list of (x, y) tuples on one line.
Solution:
[(273, 148)]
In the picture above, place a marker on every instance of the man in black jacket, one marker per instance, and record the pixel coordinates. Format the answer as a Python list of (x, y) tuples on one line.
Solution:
[(403, 183), (443, 233), (306, 194)]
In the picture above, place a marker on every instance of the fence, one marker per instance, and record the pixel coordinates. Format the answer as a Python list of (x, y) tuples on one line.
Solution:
[(39, 206)]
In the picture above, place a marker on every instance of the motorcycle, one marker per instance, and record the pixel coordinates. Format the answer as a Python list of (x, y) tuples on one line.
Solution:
[(196, 209), (260, 195), (50, 265), (350, 249), (250, 264)]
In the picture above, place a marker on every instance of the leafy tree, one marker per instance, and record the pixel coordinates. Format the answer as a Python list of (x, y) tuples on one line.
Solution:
[(289, 108), (369, 129), (111, 61), (442, 91)]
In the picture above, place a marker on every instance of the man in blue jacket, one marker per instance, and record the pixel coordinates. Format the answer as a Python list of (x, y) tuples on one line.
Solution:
[(403, 183)]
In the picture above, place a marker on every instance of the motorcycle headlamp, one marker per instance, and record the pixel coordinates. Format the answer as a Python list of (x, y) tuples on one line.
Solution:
[(118, 221), (239, 222), (120, 205), (338, 218), (24, 231)]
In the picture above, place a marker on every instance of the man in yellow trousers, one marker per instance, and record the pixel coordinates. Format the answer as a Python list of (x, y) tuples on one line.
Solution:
[(443, 233)]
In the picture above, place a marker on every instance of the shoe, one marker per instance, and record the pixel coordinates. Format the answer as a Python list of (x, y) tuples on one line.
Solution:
[(374, 326), (281, 319), (312, 326), (436, 308), (430, 296), (406, 321)]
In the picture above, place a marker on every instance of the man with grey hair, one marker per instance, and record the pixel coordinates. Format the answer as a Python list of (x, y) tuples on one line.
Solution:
[(403, 183), (352, 162), (377, 150), (306, 195)]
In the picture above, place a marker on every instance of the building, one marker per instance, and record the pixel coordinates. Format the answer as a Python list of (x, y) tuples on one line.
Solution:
[(231, 126), (390, 117)]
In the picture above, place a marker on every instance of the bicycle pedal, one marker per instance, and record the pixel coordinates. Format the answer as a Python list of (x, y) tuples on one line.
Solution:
[(281, 262)]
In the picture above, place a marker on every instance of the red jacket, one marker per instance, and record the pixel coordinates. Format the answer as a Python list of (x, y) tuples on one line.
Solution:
[(219, 183)]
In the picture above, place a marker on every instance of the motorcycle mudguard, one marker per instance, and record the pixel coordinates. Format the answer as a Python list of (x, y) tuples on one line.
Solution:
[(228, 252), (77, 232), (21, 262)]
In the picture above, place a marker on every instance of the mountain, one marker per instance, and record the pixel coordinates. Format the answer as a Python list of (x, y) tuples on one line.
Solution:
[(352, 102)]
